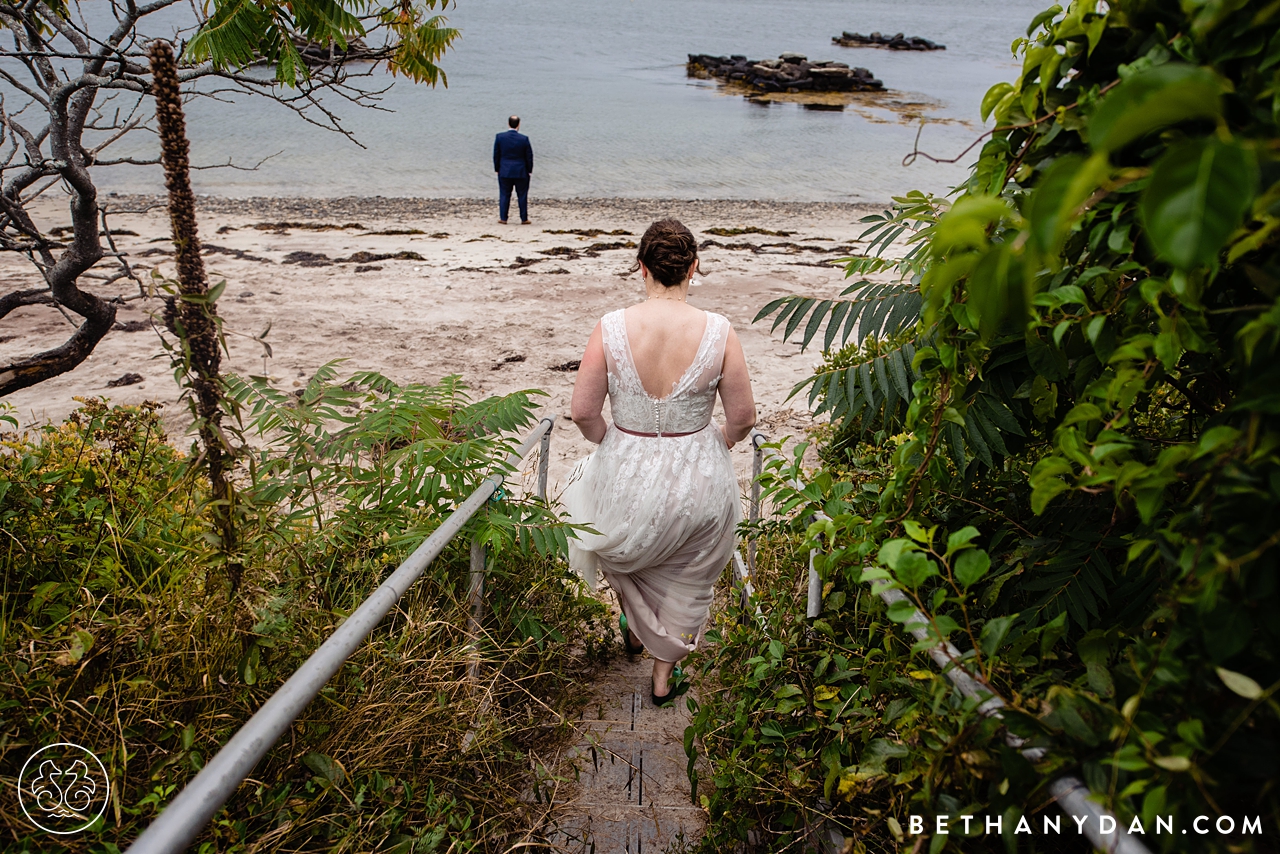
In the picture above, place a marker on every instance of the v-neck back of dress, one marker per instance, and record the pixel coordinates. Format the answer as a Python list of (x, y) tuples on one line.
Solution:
[(663, 504), (688, 407)]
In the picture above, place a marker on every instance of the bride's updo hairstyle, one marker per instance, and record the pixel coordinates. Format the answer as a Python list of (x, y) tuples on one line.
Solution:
[(668, 250)]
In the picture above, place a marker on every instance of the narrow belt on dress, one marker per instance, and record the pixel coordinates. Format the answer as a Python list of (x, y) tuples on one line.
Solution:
[(656, 435)]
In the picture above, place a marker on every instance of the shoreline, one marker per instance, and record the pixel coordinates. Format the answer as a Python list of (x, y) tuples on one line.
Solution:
[(393, 206)]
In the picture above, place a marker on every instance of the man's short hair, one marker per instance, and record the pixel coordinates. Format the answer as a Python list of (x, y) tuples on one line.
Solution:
[(513, 122)]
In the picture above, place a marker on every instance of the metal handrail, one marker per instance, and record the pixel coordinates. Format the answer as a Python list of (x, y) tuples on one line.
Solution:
[(191, 810), (1069, 792)]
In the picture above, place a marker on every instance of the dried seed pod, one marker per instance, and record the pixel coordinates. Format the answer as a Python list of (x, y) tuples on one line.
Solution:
[(198, 316)]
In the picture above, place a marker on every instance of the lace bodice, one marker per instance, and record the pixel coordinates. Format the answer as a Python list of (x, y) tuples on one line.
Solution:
[(693, 395)]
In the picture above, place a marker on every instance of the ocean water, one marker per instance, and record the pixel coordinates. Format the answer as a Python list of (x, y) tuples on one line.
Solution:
[(603, 93)]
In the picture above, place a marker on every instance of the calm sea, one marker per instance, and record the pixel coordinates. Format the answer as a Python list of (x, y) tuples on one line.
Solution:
[(602, 89)]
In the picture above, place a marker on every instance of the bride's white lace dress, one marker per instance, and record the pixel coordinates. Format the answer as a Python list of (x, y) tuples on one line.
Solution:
[(665, 505)]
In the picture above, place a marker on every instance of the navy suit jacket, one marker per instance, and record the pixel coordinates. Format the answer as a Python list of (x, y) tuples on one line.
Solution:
[(512, 155)]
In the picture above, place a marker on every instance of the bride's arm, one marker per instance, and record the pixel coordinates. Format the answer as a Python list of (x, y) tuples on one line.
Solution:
[(590, 389), (735, 392)]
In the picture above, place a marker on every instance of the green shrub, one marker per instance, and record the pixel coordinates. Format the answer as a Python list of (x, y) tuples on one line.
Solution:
[(1085, 496), (118, 632)]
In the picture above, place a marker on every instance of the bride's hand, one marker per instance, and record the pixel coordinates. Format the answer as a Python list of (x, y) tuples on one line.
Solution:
[(725, 435)]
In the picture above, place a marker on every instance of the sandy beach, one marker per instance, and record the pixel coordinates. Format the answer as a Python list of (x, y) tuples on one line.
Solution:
[(504, 306)]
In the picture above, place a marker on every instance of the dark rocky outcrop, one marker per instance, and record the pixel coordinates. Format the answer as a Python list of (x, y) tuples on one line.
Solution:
[(331, 54), (894, 42), (790, 72)]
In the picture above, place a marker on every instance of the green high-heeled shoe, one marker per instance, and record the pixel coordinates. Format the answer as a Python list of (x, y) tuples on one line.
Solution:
[(626, 637)]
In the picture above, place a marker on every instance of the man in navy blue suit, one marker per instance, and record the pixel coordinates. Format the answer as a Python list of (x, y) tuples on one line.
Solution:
[(513, 161)]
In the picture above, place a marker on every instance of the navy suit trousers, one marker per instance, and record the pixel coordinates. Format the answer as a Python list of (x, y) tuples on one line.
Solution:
[(521, 186)]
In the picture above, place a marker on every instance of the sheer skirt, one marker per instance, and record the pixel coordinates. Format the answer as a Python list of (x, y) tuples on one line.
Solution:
[(666, 509)]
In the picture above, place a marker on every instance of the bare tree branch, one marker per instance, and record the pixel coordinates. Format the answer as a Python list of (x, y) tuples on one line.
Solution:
[(67, 77), (17, 299)]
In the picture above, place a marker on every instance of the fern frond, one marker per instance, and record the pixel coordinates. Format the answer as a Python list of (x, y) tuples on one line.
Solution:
[(237, 33), (874, 385), (504, 414), (987, 420), (878, 310)]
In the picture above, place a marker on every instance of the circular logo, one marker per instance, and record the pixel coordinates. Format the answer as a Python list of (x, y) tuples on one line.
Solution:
[(63, 788)]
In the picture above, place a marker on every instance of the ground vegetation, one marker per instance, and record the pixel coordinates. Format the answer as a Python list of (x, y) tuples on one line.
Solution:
[(118, 632), (1057, 433)]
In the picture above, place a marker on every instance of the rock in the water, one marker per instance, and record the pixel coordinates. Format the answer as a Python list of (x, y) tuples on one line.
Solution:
[(314, 53), (790, 72), (897, 41)]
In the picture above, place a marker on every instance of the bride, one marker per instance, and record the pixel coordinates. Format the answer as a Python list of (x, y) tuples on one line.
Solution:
[(660, 489)]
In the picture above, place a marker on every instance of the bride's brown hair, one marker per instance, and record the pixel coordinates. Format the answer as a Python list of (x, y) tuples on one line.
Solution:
[(668, 250)]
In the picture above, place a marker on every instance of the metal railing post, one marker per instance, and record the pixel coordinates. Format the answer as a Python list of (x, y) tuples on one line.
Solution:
[(1069, 792), (757, 465), (744, 569), (749, 569), (544, 458), (184, 817), (814, 605), (475, 605)]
